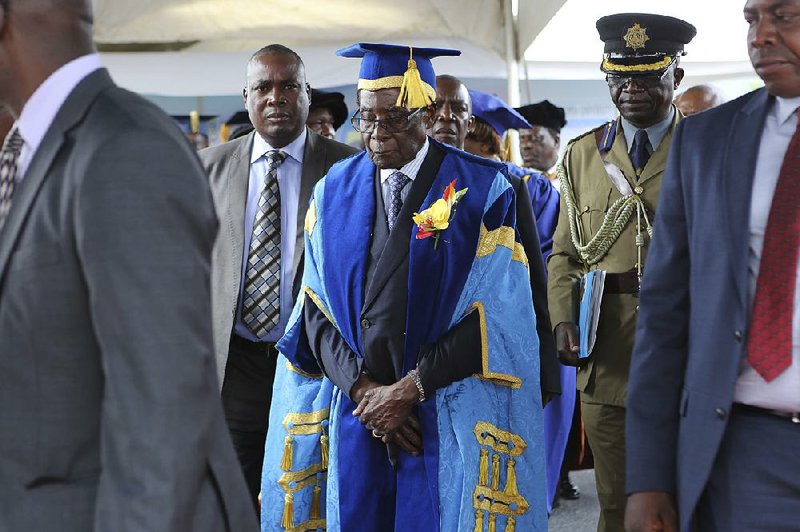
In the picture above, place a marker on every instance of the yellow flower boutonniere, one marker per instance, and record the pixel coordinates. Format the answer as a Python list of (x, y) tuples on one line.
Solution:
[(436, 218)]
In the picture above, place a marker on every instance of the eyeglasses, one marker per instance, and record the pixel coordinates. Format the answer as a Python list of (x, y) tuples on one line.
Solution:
[(391, 124), (648, 82)]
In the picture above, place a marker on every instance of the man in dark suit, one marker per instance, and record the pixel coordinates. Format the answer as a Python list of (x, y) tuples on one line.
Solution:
[(714, 401), (109, 416), (261, 184)]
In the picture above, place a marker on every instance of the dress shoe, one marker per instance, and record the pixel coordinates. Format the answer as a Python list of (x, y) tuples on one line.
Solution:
[(568, 490)]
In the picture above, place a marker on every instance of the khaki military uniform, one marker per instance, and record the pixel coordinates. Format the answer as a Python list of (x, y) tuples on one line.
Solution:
[(603, 377)]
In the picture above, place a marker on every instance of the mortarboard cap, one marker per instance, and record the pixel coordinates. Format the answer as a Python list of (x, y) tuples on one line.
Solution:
[(194, 122), (333, 102), (642, 43), (544, 114), (496, 112), (389, 66)]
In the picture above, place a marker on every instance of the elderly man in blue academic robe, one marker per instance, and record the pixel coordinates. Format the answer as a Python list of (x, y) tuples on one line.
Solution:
[(407, 396)]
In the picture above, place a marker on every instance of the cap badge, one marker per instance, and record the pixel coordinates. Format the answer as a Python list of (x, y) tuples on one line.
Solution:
[(636, 37)]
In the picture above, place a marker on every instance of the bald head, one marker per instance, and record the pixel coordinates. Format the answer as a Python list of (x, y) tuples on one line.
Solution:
[(453, 116), (698, 98), (37, 37)]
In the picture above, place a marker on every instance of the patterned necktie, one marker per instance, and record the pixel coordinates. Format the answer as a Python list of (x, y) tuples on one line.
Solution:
[(262, 289), (769, 346), (639, 153), (397, 181), (9, 157)]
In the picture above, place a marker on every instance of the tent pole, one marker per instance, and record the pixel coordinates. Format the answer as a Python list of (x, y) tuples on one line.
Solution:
[(512, 63)]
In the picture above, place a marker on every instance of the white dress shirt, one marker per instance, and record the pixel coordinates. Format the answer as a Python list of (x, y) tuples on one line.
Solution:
[(410, 170), (289, 176), (783, 393), (42, 107)]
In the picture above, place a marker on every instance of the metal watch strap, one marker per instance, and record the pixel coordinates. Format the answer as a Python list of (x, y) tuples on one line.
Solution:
[(414, 375)]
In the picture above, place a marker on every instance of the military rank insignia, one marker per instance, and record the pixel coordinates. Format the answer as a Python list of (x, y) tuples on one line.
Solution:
[(636, 37)]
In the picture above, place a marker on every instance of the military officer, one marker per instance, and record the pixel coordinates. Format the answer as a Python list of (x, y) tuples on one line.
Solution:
[(611, 178)]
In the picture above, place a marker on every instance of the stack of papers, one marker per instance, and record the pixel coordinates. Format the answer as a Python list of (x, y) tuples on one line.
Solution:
[(589, 314)]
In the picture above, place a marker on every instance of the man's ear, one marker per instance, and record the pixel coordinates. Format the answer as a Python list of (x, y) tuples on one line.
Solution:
[(471, 122), (678, 76), (244, 96)]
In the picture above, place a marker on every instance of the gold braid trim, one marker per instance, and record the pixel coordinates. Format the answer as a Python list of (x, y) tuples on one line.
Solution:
[(614, 222), (305, 423), (392, 82), (659, 65), (497, 378), (502, 236), (311, 218)]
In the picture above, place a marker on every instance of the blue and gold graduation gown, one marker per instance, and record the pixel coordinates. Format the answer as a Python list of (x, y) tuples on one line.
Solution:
[(482, 465)]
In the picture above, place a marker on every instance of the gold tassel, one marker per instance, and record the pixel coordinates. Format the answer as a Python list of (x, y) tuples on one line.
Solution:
[(412, 91), (286, 460), (323, 449), (478, 520), (495, 471), (511, 479), (483, 472), (194, 122), (287, 521), (492, 523), (315, 505), (508, 154), (510, 524)]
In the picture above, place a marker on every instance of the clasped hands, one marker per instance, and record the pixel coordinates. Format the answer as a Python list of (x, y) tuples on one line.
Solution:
[(386, 411)]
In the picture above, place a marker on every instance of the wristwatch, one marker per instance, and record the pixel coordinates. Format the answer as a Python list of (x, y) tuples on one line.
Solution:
[(414, 375)]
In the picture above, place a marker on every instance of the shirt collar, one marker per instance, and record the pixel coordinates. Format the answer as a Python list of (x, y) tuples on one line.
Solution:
[(294, 149), (655, 133), (410, 169), (785, 108), (42, 107)]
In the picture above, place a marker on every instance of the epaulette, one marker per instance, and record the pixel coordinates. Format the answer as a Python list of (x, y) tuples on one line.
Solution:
[(604, 136), (586, 134)]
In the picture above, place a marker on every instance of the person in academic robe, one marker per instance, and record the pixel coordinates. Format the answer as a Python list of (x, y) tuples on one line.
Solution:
[(407, 396)]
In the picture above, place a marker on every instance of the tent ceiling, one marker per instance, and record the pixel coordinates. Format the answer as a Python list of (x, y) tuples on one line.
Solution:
[(195, 35)]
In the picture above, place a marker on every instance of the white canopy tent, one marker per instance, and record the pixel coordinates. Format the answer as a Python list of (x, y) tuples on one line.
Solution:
[(199, 47)]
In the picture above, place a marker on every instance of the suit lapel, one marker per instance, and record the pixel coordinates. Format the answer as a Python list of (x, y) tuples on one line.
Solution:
[(397, 245), (71, 113), (744, 139), (238, 181), (314, 155)]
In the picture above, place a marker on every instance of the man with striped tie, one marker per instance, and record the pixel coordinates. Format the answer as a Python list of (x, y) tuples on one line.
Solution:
[(261, 185)]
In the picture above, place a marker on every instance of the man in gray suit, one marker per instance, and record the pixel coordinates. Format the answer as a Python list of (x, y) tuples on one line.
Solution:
[(109, 418), (261, 183)]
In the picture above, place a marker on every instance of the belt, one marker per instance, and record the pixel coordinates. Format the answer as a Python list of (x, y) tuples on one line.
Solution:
[(622, 283), (257, 348), (794, 417)]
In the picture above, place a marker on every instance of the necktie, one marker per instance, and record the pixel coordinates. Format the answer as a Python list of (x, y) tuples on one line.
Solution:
[(639, 153), (397, 181), (262, 289), (769, 345), (9, 157)]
